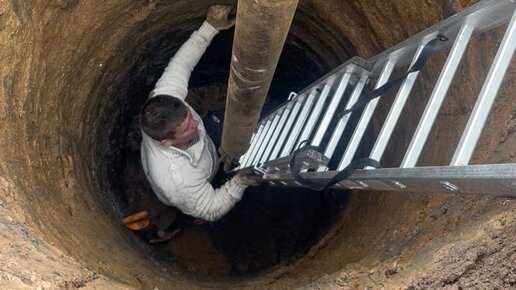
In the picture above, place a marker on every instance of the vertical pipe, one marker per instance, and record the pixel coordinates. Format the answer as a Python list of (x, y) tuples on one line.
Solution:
[(260, 33)]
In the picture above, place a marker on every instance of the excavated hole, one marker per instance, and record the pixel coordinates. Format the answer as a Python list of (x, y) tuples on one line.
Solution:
[(270, 225), (77, 73)]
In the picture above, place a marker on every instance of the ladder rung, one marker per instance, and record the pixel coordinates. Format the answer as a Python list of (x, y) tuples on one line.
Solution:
[(265, 140), (300, 121), (365, 118), (259, 142), (286, 130), (275, 135), (243, 157), (268, 139), (251, 149), (395, 111), (316, 113), (341, 124), (441, 88), (332, 108), (486, 97)]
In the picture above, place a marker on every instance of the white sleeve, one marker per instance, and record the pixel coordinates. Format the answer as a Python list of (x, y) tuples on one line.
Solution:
[(174, 80), (202, 201), (212, 204)]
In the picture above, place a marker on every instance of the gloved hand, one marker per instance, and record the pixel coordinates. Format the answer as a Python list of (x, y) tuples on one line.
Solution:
[(248, 179), (229, 163), (218, 17)]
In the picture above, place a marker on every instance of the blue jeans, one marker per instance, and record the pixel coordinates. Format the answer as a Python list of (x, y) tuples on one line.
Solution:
[(213, 122)]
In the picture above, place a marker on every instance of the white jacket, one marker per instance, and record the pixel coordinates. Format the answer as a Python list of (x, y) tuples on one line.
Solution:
[(182, 178)]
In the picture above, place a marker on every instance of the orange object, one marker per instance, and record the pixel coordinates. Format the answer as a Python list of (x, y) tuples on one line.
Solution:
[(138, 225), (137, 221)]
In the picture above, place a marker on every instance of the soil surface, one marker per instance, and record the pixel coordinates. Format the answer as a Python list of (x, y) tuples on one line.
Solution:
[(479, 256), (28, 262)]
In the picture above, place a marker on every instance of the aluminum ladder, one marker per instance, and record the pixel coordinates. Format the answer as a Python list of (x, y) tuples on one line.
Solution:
[(311, 117)]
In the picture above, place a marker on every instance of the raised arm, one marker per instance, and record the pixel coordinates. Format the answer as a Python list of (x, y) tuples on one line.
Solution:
[(174, 81)]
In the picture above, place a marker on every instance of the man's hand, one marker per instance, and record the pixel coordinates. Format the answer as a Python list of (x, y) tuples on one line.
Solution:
[(248, 179), (218, 17)]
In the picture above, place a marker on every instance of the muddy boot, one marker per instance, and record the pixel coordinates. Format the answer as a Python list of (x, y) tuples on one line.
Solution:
[(165, 235), (137, 221), (168, 225)]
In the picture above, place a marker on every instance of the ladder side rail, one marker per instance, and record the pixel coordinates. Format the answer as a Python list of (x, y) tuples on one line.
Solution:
[(365, 118), (486, 97), (438, 94), (484, 16), (356, 63), (493, 179), (353, 64)]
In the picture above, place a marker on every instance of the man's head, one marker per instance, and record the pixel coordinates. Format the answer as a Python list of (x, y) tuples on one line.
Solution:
[(167, 119)]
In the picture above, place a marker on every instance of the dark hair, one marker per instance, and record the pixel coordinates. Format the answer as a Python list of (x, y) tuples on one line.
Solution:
[(160, 116)]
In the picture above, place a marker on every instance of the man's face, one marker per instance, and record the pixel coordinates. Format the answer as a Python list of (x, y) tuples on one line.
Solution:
[(185, 131)]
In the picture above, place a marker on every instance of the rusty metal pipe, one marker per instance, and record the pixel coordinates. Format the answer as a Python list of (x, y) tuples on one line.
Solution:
[(260, 32)]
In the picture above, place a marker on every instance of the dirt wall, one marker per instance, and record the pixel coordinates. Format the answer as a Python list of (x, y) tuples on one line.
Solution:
[(74, 73)]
